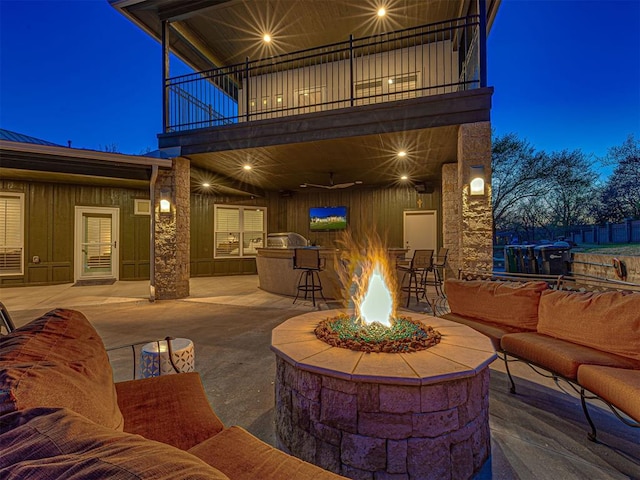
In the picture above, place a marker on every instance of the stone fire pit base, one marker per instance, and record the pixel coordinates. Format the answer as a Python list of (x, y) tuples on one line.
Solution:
[(396, 424)]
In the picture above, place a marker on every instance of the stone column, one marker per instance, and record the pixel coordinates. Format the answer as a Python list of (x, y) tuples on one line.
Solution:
[(476, 219), (467, 220), (451, 218), (172, 255)]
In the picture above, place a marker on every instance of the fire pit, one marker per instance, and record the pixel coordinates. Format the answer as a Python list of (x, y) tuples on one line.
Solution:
[(420, 412)]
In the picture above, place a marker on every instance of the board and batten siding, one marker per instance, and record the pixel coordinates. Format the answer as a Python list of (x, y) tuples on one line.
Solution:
[(49, 219)]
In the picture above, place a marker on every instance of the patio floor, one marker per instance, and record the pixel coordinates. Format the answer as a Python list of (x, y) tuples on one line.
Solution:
[(539, 433)]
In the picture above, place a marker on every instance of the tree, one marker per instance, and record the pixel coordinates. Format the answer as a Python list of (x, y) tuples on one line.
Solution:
[(518, 174), (571, 194), (620, 197)]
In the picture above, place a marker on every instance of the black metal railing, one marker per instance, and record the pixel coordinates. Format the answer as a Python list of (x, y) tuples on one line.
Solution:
[(432, 59)]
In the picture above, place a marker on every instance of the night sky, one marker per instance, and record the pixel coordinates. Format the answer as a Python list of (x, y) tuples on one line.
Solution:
[(566, 74)]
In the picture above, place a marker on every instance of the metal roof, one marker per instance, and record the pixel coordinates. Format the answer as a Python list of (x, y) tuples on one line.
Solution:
[(20, 137)]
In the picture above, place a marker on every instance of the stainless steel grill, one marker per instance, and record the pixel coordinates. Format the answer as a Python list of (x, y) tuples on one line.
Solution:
[(286, 240)]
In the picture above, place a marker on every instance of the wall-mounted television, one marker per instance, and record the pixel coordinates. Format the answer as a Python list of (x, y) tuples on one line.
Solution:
[(327, 218)]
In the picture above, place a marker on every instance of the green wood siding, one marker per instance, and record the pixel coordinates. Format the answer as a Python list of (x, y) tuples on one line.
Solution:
[(49, 230)]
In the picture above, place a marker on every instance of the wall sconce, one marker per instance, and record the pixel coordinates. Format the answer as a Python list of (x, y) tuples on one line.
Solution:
[(165, 203), (476, 180)]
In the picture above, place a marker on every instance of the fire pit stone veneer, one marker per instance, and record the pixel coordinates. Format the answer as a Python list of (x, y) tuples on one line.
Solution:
[(421, 415)]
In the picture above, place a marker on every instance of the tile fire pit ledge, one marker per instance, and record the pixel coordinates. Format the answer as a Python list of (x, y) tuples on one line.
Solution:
[(372, 415)]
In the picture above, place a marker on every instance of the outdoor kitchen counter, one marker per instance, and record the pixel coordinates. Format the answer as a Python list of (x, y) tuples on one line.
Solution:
[(276, 273)]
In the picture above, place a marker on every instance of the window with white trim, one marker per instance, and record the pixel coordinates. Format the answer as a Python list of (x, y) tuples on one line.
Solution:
[(11, 233), (238, 231)]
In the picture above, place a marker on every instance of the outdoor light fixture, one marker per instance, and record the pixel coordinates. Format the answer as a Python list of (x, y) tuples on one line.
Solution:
[(247, 167), (266, 38), (382, 12), (404, 177), (476, 180), (206, 185), (165, 203), (402, 153)]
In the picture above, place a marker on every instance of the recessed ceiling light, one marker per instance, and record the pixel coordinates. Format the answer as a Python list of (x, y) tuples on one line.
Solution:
[(382, 12), (247, 167), (266, 38), (404, 177), (206, 184), (402, 153)]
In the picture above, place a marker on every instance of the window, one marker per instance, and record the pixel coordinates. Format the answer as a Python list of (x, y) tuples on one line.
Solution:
[(11, 233), (239, 231)]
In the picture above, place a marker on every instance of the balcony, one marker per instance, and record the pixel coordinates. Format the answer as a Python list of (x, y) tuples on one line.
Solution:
[(429, 60)]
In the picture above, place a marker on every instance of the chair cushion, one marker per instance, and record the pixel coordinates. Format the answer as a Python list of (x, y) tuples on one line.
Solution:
[(242, 456), (58, 360), (618, 386), (608, 321), (172, 409), (58, 443), (560, 356), (507, 303)]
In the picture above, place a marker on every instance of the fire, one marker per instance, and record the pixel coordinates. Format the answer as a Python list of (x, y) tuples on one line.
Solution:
[(372, 279)]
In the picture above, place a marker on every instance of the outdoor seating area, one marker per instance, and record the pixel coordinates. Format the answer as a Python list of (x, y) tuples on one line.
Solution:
[(539, 432), (588, 339)]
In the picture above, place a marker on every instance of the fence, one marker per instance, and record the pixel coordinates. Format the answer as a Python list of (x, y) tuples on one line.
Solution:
[(627, 232)]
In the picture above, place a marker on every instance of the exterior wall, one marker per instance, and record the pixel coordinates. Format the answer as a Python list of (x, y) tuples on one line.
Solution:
[(172, 234), (451, 209), (435, 64), (49, 230)]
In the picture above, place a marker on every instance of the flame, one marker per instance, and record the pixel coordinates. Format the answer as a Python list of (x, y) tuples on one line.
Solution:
[(371, 277)]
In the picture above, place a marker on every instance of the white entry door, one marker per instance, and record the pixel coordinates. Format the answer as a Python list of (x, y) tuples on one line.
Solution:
[(96, 243), (420, 230)]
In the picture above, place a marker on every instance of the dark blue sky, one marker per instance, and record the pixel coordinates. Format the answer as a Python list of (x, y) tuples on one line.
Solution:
[(566, 74)]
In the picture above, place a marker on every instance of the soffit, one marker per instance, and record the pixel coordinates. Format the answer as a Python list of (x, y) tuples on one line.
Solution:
[(371, 159)]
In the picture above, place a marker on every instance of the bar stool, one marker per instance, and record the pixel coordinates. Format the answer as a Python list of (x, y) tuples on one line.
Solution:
[(437, 268), (308, 260), (420, 262)]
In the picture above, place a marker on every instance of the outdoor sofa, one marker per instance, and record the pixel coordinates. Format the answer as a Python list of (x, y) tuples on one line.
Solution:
[(591, 339), (62, 416)]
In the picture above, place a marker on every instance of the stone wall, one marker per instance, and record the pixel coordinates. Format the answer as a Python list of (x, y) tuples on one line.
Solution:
[(375, 431), (451, 211), (172, 260), (601, 266)]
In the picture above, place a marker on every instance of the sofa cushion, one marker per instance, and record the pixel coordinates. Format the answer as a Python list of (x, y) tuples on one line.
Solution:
[(560, 356), (58, 360), (618, 386), (242, 456), (58, 443), (507, 303), (608, 321), (494, 331)]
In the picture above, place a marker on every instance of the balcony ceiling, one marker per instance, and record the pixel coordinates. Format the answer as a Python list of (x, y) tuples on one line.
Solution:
[(207, 33), (371, 159)]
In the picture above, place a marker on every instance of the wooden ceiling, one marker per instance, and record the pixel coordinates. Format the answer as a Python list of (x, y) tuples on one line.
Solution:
[(371, 159), (208, 33)]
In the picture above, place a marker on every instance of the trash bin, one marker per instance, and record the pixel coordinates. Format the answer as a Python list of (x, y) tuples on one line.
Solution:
[(528, 259), (510, 258), (553, 259)]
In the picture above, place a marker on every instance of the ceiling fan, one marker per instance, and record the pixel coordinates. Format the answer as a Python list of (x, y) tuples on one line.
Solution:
[(331, 186)]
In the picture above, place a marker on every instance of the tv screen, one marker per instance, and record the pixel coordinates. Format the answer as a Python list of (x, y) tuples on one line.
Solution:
[(327, 218)]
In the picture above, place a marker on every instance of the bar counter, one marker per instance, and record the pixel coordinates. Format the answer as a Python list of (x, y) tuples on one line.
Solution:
[(276, 273)]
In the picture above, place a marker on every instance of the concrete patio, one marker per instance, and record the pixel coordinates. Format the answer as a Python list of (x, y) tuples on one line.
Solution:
[(539, 433)]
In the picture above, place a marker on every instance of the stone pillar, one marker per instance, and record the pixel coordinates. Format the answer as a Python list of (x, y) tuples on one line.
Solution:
[(476, 219), (451, 218), (467, 220), (172, 255)]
